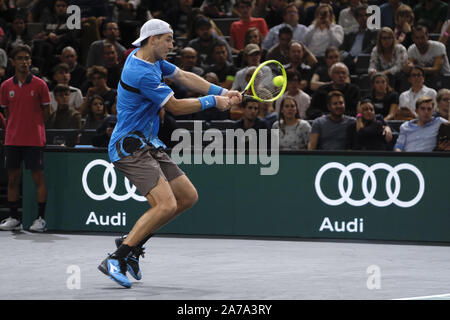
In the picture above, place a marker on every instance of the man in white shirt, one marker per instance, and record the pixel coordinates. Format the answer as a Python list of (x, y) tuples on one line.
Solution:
[(429, 54), (61, 75), (408, 99), (290, 18)]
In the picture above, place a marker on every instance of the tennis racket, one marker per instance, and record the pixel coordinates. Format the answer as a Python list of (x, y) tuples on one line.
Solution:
[(268, 82)]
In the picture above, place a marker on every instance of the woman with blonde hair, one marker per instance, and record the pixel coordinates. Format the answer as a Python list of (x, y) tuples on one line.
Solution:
[(404, 20), (388, 56), (323, 31)]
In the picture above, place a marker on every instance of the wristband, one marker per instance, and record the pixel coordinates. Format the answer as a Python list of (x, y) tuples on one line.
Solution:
[(359, 115), (207, 102), (216, 90)]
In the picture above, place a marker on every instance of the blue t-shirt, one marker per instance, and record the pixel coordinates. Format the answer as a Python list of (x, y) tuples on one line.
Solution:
[(138, 106)]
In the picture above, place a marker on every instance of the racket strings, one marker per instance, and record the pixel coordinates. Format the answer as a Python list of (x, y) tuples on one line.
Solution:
[(263, 84)]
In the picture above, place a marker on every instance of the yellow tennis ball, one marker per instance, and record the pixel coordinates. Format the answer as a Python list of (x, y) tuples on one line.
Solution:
[(278, 81)]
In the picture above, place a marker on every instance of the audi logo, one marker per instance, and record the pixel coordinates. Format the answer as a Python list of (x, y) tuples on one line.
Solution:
[(369, 194), (109, 188)]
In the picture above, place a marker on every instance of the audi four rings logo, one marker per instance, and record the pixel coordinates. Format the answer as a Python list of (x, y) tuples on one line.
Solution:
[(109, 188), (369, 194)]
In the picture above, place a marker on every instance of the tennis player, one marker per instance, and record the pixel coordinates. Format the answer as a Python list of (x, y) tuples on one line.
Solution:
[(135, 149)]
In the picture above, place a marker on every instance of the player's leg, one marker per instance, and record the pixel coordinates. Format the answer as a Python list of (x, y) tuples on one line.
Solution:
[(185, 193)]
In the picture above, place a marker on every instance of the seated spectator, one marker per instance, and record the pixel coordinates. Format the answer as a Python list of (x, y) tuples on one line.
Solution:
[(293, 90), (329, 132), (252, 58), (267, 112), (445, 34), (250, 109), (310, 11), (443, 138), (97, 76), (61, 75), (77, 71), (323, 32), (252, 36), (112, 65), (238, 28), (18, 34), (387, 13), (221, 67), (358, 42), (443, 103), (408, 99), (280, 51), (111, 35), (367, 133), (431, 13), (339, 75), (274, 13), (3, 64), (290, 20), (429, 54), (348, 17), (180, 17), (205, 42), (420, 135), (95, 112), (217, 8), (64, 117), (321, 74), (188, 61), (302, 60), (383, 97), (293, 131), (388, 56), (104, 131), (404, 20)]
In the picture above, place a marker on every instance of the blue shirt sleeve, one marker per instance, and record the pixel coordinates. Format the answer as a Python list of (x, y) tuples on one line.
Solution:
[(168, 69)]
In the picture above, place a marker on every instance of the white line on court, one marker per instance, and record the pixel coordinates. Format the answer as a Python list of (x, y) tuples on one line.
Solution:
[(437, 296)]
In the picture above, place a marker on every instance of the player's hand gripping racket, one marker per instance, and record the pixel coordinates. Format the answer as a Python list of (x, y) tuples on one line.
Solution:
[(267, 83)]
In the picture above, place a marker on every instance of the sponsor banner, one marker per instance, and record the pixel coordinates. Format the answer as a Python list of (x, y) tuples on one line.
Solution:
[(385, 197)]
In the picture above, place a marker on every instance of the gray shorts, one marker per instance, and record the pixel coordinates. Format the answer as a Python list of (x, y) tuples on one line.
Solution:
[(144, 167)]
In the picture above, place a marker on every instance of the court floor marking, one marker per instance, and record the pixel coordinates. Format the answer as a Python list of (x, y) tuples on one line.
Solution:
[(445, 296)]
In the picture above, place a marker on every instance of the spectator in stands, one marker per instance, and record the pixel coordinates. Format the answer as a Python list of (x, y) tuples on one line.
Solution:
[(280, 51), (65, 117), (429, 54), (443, 138), (290, 20), (388, 57), (329, 132), (302, 60), (111, 35), (293, 131), (95, 112), (445, 33), (61, 76), (188, 61), (77, 71), (18, 35), (97, 76), (274, 14), (348, 17), (180, 17), (408, 99), (112, 65), (267, 112), (367, 133), (205, 41), (27, 102), (339, 75), (252, 36), (3, 64), (321, 74), (310, 12), (443, 103), (221, 67), (238, 28), (92, 8), (387, 13), (383, 97), (217, 8), (404, 20), (323, 32), (104, 131), (252, 57), (293, 90), (358, 42), (420, 135), (431, 13)]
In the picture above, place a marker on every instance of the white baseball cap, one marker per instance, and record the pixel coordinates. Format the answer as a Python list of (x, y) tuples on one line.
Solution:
[(152, 27)]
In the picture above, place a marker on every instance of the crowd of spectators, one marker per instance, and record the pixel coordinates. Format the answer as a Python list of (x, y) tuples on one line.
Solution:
[(322, 45)]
